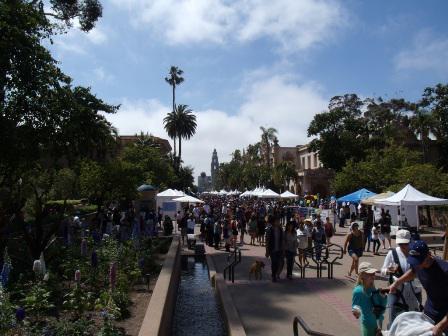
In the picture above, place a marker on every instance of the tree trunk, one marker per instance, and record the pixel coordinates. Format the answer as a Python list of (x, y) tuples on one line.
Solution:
[(174, 110), (180, 150), (174, 141), (428, 214)]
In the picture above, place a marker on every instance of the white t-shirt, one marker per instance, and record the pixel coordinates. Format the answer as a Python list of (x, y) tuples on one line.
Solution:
[(352, 209), (408, 294), (375, 233)]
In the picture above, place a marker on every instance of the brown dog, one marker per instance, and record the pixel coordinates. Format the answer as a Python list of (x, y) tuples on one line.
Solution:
[(255, 270)]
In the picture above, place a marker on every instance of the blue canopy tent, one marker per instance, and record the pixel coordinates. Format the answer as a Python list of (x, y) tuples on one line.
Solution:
[(357, 196)]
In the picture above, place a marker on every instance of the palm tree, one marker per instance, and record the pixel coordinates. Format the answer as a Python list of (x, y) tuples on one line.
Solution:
[(268, 136), (174, 78), (186, 125), (170, 125)]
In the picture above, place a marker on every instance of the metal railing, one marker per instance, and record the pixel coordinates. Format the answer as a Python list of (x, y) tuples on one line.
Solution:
[(230, 268), (320, 255), (298, 320)]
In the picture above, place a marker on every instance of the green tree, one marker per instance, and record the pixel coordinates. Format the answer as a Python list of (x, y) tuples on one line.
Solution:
[(422, 123), (424, 177), (435, 99), (341, 132), (174, 79), (377, 172), (268, 137), (283, 173)]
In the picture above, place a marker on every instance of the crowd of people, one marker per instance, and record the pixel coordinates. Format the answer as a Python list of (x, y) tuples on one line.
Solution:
[(286, 234)]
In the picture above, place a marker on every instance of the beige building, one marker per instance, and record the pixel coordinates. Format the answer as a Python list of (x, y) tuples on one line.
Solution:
[(311, 177)]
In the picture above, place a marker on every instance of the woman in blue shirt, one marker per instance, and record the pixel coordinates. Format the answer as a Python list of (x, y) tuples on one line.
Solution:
[(367, 302)]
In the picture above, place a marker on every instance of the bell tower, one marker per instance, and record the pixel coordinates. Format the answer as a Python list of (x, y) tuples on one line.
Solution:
[(214, 168)]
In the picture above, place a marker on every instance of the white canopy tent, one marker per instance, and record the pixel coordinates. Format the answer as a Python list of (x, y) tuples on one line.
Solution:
[(258, 191), (164, 200), (222, 192), (408, 200), (370, 200), (247, 193), (170, 193), (288, 194), (188, 199), (411, 196), (268, 193)]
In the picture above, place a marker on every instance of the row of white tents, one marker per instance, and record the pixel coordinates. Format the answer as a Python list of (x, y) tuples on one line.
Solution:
[(257, 192), (268, 193)]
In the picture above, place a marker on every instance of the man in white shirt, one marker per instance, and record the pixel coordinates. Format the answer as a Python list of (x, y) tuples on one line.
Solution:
[(395, 265), (352, 209)]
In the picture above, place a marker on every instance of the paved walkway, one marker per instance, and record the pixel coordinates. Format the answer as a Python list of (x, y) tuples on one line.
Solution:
[(267, 308)]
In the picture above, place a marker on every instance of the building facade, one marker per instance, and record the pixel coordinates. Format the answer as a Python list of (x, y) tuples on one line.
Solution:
[(311, 177), (204, 183)]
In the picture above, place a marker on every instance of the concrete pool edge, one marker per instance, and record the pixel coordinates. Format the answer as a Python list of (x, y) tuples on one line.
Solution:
[(231, 316), (159, 313)]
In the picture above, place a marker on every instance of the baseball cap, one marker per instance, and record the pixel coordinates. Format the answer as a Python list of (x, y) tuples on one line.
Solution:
[(403, 237), (418, 251), (366, 267)]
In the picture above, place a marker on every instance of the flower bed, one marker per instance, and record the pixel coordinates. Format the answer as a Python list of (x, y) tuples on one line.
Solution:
[(84, 290)]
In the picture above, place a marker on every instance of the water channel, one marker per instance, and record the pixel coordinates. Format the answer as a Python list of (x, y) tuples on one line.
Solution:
[(197, 310)]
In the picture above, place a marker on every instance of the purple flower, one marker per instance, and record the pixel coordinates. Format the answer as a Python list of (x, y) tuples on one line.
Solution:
[(4, 275), (20, 314), (78, 276), (112, 275)]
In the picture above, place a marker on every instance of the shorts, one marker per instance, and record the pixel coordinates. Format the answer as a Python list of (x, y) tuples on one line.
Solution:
[(386, 235), (357, 252)]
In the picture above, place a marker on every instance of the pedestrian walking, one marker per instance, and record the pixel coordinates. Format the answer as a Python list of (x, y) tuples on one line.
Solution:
[(408, 295), (253, 228), (290, 246), (318, 237), (329, 230), (274, 245), (354, 242), (302, 239), (376, 239)]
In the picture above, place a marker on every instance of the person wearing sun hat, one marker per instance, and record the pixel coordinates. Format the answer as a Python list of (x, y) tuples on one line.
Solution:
[(395, 265), (433, 275), (367, 302)]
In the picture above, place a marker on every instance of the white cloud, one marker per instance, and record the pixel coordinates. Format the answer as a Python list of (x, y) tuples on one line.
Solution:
[(294, 24), (102, 75), (97, 36), (275, 102), (428, 53), (79, 42)]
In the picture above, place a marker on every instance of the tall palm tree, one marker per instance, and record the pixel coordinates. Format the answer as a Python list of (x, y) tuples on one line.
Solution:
[(186, 125), (174, 78), (268, 136)]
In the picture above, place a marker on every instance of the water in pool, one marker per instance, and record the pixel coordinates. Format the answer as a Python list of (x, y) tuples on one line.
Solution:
[(197, 310)]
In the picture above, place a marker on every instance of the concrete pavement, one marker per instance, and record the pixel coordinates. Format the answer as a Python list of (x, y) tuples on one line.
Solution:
[(267, 308)]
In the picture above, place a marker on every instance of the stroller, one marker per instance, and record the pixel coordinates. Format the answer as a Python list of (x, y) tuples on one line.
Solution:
[(411, 324)]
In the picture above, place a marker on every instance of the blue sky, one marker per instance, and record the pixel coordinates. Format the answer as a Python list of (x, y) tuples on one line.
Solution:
[(252, 63)]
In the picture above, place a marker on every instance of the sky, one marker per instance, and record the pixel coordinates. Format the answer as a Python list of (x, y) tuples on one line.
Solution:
[(252, 63)]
